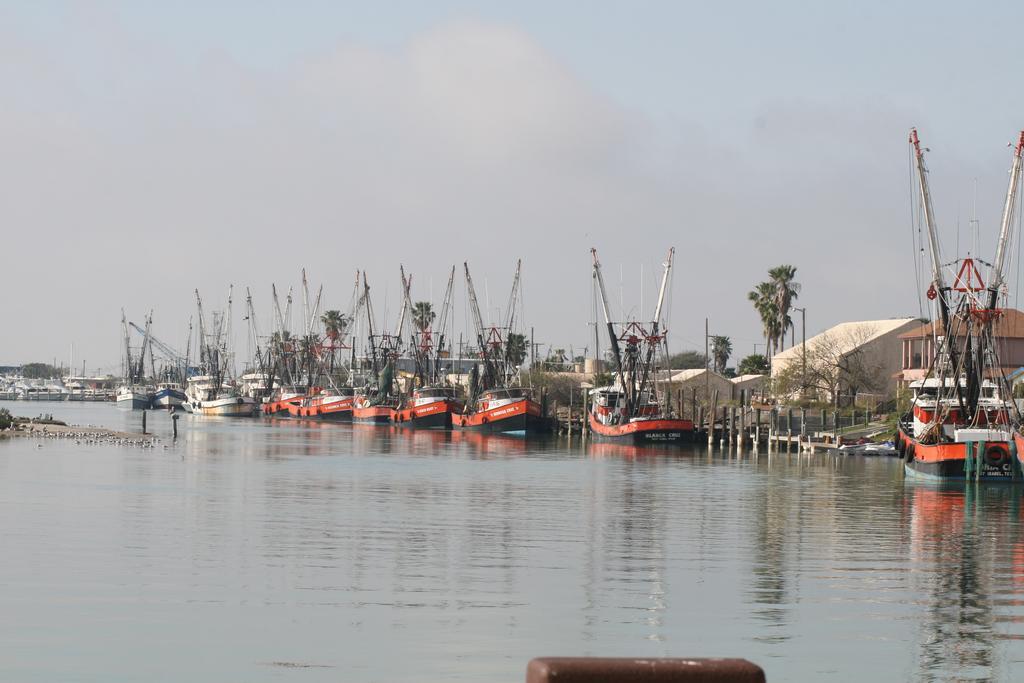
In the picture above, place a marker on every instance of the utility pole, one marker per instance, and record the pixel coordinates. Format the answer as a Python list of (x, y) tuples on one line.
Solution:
[(803, 349), (707, 374)]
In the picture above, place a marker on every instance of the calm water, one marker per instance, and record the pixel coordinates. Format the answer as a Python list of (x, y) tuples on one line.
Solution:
[(277, 551)]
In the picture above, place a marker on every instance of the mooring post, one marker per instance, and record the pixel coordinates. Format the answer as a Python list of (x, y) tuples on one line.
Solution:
[(725, 426), (143, 421), (743, 426), (757, 427), (712, 415), (571, 392), (835, 426), (803, 425), (174, 424), (693, 402)]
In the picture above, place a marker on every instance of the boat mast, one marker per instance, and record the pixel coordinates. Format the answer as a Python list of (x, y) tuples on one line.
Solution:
[(254, 334), (225, 340), (147, 347), (612, 337), (419, 346), (188, 351), (204, 356), (513, 298), (356, 307), (127, 366), (369, 325), (481, 339), (305, 303), (442, 326), (995, 279), (654, 339), (933, 240)]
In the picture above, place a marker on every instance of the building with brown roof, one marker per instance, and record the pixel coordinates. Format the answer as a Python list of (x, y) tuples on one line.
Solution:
[(920, 346)]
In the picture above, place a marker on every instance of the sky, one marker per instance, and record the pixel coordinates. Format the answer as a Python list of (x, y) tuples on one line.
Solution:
[(148, 149)]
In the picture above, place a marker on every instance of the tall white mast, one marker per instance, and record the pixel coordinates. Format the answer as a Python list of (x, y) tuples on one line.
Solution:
[(933, 238), (995, 278), (929, 214), (661, 292), (612, 337)]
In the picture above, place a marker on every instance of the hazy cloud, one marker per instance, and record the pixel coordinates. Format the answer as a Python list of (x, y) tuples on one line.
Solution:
[(134, 172)]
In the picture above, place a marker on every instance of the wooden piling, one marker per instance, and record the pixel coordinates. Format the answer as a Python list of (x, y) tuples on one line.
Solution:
[(143, 421), (725, 426), (803, 426), (712, 413), (743, 426)]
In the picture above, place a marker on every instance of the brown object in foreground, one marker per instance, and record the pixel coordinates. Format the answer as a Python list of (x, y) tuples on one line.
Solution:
[(641, 670)]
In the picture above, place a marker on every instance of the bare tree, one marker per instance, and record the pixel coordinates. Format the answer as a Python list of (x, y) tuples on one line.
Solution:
[(838, 363)]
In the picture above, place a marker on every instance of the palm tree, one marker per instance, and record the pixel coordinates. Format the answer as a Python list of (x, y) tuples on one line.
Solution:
[(334, 324), (423, 315), (786, 290), (721, 349), (763, 298), (515, 348)]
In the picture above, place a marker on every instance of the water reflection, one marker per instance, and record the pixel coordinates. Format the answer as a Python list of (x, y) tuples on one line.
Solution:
[(403, 555), (966, 551)]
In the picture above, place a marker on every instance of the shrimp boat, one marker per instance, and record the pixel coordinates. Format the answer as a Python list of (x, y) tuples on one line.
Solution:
[(334, 405), (168, 395), (432, 402), (135, 393), (134, 397), (629, 410), (282, 400), (495, 402), (212, 392), (324, 399), (959, 423), (376, 402)]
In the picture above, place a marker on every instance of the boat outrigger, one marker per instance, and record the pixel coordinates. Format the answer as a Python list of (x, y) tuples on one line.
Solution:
[(495, 402), (213, 392), (629, 411), (374, 403), (431, 403), (135, 392), (960, 421)]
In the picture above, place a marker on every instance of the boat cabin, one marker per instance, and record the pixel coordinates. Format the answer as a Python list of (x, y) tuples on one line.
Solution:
[(935, 399), (496, 398), (609, 405)]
